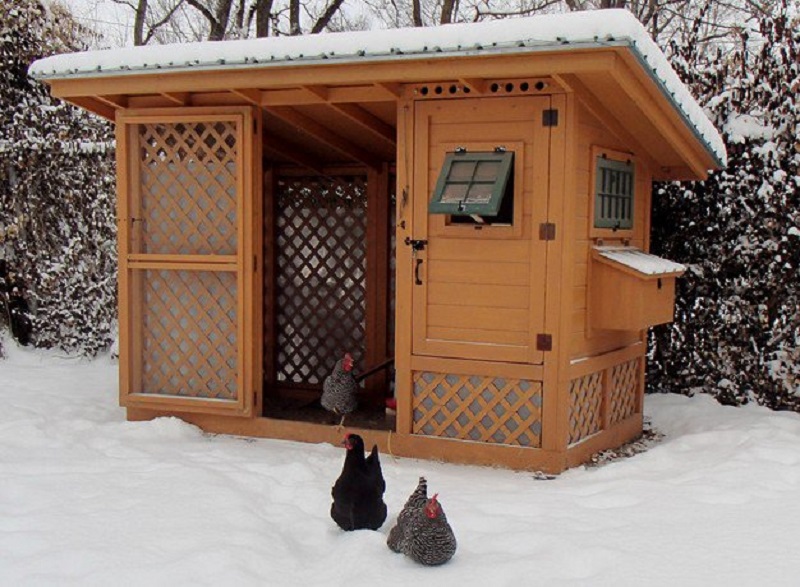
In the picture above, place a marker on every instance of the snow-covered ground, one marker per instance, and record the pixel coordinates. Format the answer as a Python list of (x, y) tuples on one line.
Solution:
[(87, 498)]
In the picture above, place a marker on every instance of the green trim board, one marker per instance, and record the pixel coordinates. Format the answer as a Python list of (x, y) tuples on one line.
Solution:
[(614, 190), (472, 184)]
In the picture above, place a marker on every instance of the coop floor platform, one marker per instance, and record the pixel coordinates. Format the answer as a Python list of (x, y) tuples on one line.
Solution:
[(369, 419), (393, 443)]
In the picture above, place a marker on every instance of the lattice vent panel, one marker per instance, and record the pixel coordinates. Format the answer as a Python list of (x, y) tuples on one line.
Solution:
[(188, 183), (189, 345), (586, 398), (321, 229), (624, 387), (485, 409)]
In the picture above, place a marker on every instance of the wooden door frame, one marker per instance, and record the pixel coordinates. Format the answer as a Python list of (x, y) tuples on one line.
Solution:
[(244, 264)]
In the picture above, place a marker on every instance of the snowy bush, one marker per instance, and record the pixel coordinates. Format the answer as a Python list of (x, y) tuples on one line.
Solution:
[(737, 329), (57, 202)]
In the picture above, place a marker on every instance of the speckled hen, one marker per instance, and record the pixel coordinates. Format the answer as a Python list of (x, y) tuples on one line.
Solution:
[(422, 531), (340, 389)]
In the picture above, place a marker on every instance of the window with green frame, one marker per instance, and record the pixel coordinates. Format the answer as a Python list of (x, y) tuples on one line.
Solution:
[(475, 185), (614, 190)]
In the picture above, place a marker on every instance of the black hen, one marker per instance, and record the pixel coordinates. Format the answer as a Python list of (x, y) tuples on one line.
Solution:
[(358, 492)]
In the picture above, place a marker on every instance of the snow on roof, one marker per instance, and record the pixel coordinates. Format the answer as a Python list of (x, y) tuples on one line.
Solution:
[(640, 261), (574, 30)]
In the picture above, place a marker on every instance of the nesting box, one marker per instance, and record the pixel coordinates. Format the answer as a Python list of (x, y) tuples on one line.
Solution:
[(465, 209), (630, 289)]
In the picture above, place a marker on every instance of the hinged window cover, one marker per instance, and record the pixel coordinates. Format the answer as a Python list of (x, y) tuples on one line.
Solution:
[(472, 183), (614, 191)]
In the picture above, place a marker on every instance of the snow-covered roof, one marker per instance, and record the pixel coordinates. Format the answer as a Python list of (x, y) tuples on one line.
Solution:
[(564, 32), (640, 261)]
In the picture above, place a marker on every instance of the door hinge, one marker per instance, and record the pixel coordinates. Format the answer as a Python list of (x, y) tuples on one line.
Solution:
[(550, 117), (547, 231), (544, 342)]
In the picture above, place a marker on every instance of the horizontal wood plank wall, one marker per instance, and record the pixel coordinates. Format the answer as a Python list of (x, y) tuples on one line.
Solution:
[(477, 299), (591, 132)]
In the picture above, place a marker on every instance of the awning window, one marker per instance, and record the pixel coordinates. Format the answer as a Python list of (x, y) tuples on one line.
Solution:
[(473, 184)]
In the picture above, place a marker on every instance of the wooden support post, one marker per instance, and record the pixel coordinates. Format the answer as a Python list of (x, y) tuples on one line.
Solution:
[(377, 281), (270, 282)]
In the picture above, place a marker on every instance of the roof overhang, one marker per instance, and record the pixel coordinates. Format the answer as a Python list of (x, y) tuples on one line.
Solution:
[(625, 81)]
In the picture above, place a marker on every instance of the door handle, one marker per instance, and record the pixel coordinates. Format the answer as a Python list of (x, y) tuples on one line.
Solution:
[(417, 265)]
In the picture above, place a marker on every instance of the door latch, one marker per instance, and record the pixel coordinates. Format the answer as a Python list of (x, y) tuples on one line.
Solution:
[(416, 244)]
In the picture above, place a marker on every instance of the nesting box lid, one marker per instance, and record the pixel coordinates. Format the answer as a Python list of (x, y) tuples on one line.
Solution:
[(634, 259)]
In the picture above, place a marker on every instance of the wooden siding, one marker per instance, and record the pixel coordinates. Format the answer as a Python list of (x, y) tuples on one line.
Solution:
[(591, 132)]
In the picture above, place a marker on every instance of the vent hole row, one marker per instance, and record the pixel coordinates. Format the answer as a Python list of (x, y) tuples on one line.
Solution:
[(495, 88)]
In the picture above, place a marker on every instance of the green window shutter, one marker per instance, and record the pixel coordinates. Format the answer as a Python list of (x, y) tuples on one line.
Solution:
[(472, 184), (614, 189)]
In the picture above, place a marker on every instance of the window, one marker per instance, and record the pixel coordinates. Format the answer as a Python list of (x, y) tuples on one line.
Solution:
[(614, 189), (475, 187)]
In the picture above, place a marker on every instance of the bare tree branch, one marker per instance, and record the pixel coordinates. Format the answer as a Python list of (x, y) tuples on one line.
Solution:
[(326, 17)]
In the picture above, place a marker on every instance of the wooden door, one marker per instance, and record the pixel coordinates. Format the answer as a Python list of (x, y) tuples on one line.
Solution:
[(187, 264), (478, 292)]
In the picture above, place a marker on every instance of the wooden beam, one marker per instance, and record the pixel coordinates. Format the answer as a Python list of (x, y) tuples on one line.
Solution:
[(293, 153), (392, 91), (590, 101), (475, 85), (670, 129), (384, 75), (323, 134), (251, 95), (115, 101), (320, 92), (368, 121), (345, 94), (94, 106), (178, 98)]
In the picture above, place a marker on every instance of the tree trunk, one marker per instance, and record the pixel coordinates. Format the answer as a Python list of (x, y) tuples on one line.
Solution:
[(220, 24), (448, 7), (294, 17), (416, 12), (138, 23), (263, 13)]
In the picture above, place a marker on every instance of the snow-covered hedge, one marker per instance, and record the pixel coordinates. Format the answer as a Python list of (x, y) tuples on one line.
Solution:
[(57, 202), (737, 328)]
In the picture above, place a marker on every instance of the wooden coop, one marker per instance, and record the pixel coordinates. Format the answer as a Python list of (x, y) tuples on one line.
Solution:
[(465, 209)]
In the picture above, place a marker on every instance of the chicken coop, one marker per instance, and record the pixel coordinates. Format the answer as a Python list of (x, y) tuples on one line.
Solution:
[(465, 209)]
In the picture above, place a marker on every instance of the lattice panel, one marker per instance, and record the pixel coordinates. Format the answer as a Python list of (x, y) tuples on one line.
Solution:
[(586, 398), (484, 409), (188, 183), (624, 387), (189, 345), (321, 229)]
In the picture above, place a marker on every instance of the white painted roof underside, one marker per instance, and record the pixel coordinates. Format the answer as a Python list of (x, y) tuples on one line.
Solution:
[(573, 30), (640, 261)]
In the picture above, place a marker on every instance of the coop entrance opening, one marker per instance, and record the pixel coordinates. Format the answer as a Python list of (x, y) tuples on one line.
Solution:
[(326, 259)]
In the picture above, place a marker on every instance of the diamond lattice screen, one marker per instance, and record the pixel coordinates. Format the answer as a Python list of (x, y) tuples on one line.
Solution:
[(321, 227), (188, 182), (586, 398), (189, 341), (624, 386), (485, 409)]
